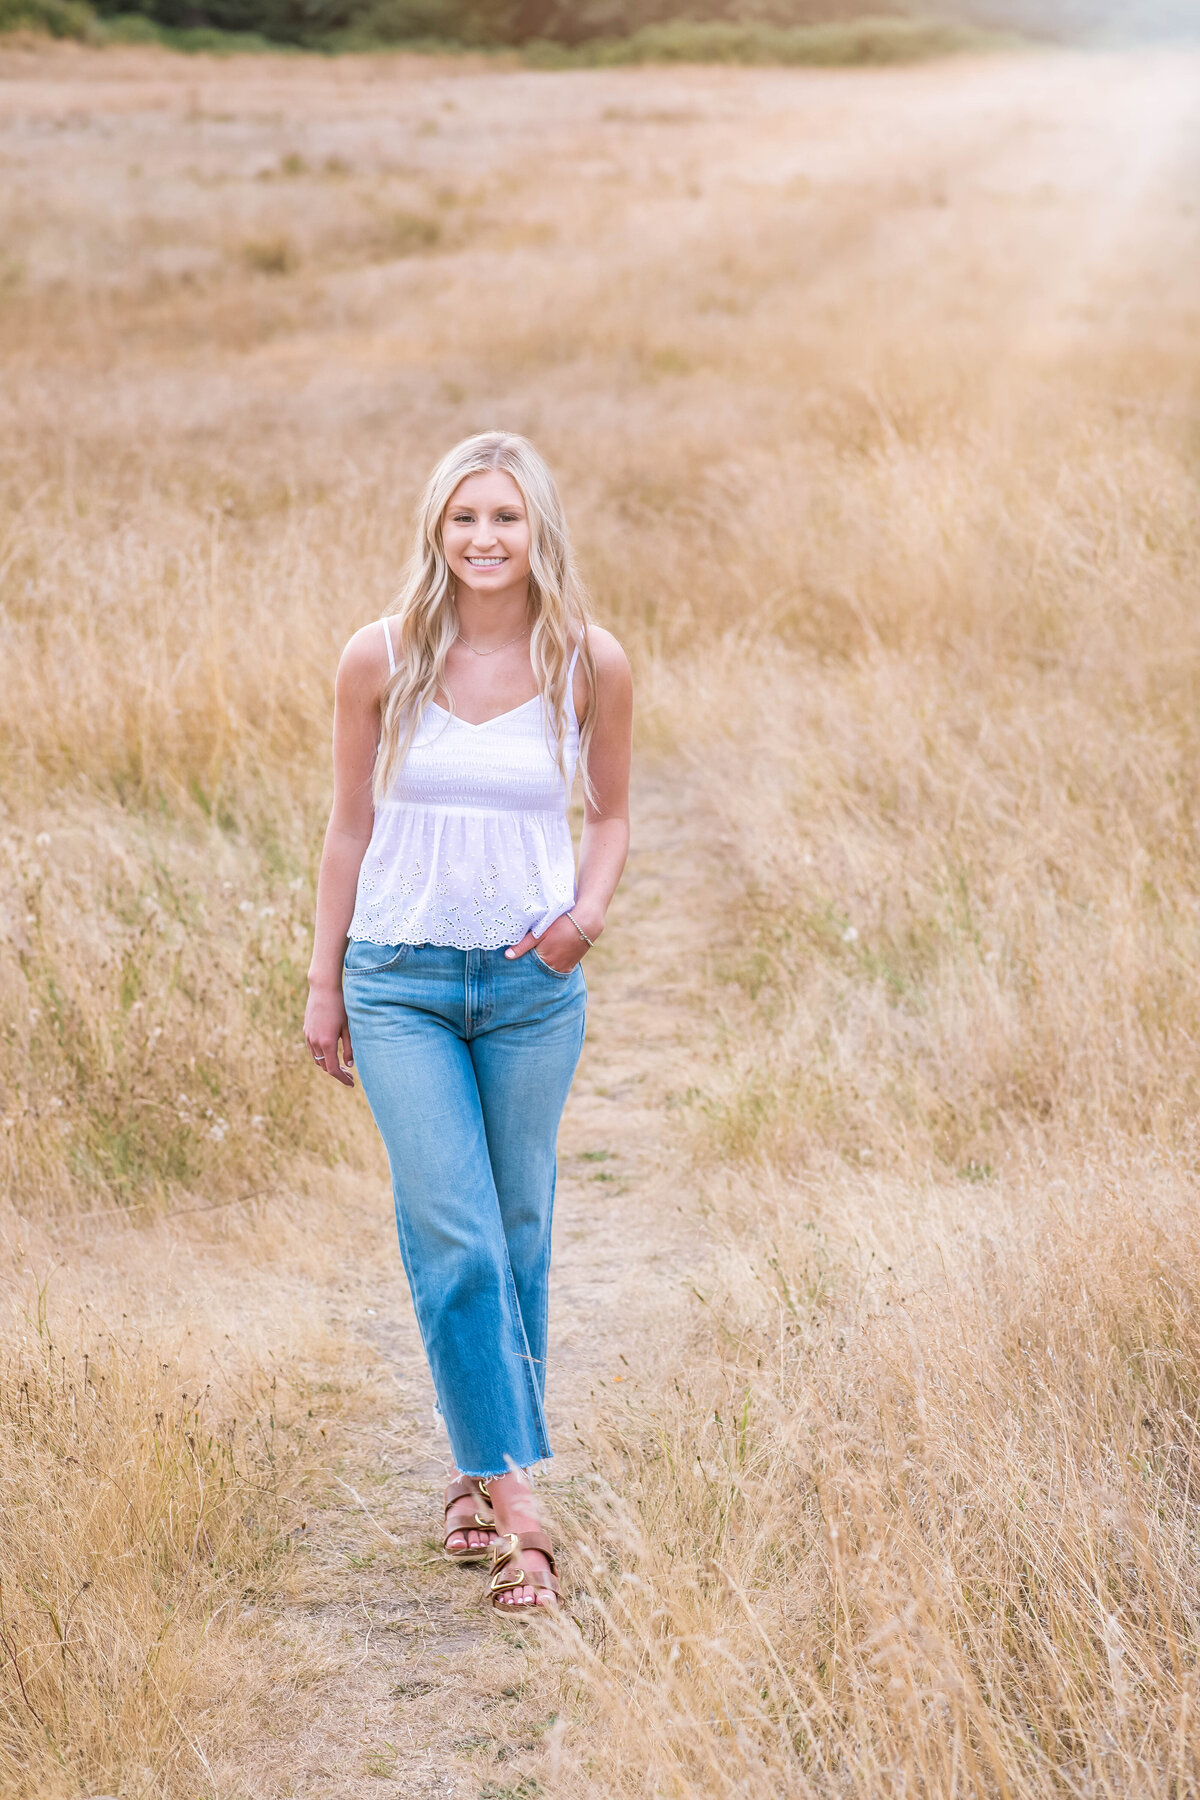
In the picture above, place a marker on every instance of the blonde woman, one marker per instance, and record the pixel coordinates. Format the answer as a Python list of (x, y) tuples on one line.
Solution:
[(451, 928)]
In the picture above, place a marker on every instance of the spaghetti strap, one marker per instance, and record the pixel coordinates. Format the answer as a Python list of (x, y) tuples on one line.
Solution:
[(387, 638), (571, 686)]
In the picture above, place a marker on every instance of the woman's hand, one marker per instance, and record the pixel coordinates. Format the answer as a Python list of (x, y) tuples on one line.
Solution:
[(327, 1030), (560, 945)]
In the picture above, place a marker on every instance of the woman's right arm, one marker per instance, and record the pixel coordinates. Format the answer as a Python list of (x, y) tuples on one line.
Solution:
[(360, 679)]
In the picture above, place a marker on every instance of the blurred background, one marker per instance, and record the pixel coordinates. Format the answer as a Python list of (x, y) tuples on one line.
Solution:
[(575, 22), (607, 30)]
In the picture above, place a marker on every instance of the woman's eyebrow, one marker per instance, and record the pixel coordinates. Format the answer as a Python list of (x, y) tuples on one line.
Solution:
[(510, 506)]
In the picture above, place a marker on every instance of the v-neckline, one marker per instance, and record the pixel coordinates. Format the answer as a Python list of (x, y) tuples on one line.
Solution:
[(482, 724)]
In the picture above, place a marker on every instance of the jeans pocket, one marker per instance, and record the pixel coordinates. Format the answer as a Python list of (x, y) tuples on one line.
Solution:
[(363, 958), (558, 974)]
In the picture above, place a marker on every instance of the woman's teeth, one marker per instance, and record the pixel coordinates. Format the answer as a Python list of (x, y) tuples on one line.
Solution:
[(486, 562)]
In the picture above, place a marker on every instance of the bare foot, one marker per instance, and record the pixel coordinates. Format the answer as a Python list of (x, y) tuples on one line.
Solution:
[(462, 1513), (517, 1510)]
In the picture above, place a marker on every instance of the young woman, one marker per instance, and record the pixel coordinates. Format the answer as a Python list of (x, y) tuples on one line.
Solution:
[(450, 932)]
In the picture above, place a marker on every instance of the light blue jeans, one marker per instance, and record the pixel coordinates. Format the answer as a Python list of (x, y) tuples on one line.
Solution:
[(466, 1060)]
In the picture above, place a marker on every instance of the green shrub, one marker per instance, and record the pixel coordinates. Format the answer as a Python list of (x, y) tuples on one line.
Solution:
[(131, 28), (57, 18), (136, 28), (312, 24), (288, 21), (858, 41), (406, 21)]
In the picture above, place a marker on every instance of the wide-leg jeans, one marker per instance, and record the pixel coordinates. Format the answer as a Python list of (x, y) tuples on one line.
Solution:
[(466, 1059)]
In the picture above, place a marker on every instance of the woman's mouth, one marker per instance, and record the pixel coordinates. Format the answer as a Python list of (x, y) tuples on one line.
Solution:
[(487, 562)]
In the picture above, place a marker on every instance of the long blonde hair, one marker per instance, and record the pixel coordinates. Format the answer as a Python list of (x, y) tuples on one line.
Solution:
[(429, 622)]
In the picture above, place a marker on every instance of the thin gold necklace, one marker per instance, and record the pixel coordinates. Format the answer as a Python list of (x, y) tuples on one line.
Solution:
[(496, 648)]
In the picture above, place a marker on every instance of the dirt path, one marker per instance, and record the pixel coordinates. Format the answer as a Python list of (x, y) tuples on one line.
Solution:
[(410, 1682)]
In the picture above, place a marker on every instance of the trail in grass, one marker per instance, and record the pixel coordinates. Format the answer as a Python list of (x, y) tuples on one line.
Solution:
[(408, 1679)]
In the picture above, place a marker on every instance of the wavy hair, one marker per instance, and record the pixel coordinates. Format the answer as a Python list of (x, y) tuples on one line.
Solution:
[(429, 622)]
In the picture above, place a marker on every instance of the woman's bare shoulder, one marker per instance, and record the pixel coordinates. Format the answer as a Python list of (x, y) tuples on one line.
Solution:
[(363, 668), (614, 680), (610, 660)]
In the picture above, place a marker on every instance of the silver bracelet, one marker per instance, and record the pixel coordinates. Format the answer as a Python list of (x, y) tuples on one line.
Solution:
[(590, 942)]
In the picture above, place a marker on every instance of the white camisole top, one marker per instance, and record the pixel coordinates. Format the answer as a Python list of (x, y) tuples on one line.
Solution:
[(471, 847)]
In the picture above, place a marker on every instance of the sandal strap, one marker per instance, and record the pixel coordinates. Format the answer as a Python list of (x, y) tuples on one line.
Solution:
[(458, 1489), (541, 1578), (508, 1547), (465, 1487), (521, 1578), (513, 1542)]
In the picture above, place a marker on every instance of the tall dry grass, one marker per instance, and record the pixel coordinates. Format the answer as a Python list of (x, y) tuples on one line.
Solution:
[(142, 1500), (926, 1518), (875, 402), (917, 1513)]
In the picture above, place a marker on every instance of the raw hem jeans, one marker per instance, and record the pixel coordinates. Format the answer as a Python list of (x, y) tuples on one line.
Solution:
[(466, 1059)]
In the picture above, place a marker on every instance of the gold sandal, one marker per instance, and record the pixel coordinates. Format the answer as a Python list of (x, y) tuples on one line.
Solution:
[(503, 1552), (469, 1553)]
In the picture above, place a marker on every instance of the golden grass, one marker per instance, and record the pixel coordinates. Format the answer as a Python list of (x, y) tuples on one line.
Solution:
[(876, 400), (138, 1511)]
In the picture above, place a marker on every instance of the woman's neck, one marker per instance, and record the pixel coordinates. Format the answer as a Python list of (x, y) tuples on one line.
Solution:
[(485, 620)]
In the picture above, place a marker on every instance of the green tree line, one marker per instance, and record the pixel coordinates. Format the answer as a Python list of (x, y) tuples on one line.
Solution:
[(491, 23), (611, 31), (573, 23)]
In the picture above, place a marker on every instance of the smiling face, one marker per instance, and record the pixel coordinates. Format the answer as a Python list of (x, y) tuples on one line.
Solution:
[(485, 532)]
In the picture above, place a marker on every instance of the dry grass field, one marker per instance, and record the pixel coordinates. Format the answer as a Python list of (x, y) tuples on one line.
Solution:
[(876, 402)]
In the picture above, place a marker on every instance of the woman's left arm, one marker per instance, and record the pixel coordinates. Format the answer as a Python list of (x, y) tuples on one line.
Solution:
[(604, 845), (605, 841)]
